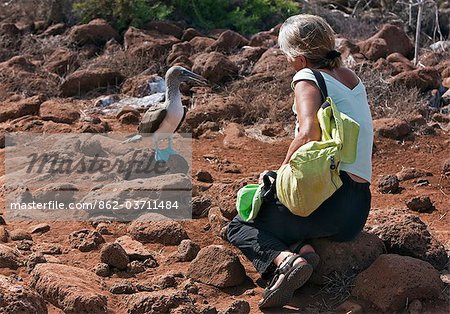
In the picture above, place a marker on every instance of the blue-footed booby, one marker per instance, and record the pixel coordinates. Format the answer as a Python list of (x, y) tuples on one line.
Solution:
[(161, 121)]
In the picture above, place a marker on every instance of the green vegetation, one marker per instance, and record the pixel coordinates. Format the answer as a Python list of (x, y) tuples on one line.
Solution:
[(244, 16)]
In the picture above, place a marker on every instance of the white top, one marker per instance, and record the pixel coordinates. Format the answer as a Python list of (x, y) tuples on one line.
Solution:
[(352, 102)]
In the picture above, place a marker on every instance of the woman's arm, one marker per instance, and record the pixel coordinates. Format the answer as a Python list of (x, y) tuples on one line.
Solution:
[(307, 103)]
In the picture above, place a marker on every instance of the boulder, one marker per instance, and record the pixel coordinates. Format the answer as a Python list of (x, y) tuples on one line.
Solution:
[(271, 63), (388, 184), (15, 109), (71, 289), (228, 41), (345, 258), (423, 78), (9, 258), (40, 228), (215, 109), (190, 33), (217, 221), (218, 266), (187, 250), (233, 132), (412, 173), (141, 85), (19, 235), (421, 204), (165, 28), (238, 307), (96, 32), (389, 39), (17, 298), (114, 255), (85, 240), (156, 302), (178, 50), (263, 39), (62, 61), (393, 280), (134, 249), (83, 81), (59, 112), (407, 234), (164, 232), (215, 67), (391, 128), (201, 44), (153, 40)]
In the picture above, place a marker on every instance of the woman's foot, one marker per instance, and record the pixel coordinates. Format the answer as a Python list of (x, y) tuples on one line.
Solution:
[(290, 275), (307, 252)]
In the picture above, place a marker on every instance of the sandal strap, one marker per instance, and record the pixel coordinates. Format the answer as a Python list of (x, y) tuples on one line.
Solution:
[(289, 261)]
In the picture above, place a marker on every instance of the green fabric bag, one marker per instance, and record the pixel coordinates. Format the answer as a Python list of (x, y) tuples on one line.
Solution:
[(249, 201)]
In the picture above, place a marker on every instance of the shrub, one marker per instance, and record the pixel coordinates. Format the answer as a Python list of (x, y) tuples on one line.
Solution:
[(122, 13), (244, 16)]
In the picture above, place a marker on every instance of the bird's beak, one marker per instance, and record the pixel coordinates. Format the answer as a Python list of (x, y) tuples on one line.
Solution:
[(196, 78)]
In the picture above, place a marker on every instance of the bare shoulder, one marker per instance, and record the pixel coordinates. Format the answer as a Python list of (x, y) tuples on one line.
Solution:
[(346, 76)]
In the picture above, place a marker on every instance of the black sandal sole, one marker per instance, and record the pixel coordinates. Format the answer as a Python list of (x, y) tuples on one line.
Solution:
[(284, 293)]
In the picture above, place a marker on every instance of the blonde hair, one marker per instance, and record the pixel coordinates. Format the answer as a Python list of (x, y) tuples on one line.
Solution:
[(312, 37)]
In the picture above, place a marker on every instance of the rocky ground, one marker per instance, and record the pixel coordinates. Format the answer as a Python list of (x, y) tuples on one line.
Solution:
[(60, 79)]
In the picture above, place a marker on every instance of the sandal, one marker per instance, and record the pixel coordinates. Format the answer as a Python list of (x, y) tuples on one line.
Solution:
[(312, 257), (288, 278)]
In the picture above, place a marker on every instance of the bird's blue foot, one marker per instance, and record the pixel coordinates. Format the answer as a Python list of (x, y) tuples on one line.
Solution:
[(164, 154)]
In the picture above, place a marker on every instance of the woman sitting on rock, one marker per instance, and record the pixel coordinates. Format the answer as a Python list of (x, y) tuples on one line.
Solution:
[(276, 240)]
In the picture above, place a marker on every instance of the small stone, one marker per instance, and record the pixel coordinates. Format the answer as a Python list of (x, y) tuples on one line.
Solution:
[(41, 228), (136, 267), (102, 270), (151, 262), (2, 221), (85, 240), (114, 255), (9, 258), (164, 282), (34, 259), (204, 176), (200, 206), (24, 245), (446, 167), (3, 235), (123, 287), (421, 204), (187, 250), (189, 286), (415, 307), (102, 228), (388, 184), (238, 307), (19, 234), (164, 232), (134, 249), (349, 307), (218, 266), (421, 182), (412, 173), (208, 309)]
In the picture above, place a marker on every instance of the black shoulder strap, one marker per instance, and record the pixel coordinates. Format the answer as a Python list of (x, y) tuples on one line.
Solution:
[(321, 82)]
